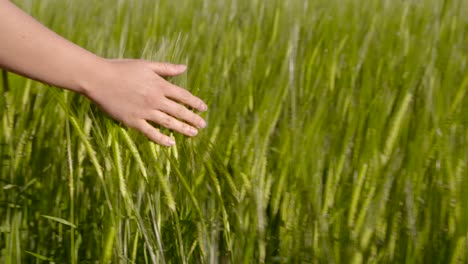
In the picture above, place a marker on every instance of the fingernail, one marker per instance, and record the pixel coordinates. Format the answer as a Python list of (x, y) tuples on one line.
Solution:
[(192, 131), (171, 142), (204, 107), (202, 124), (181, 67)]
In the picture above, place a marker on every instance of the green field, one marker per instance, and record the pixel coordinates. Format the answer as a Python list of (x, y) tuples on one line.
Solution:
[(337, 133)]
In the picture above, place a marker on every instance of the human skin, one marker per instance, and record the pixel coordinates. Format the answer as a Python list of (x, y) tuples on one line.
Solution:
[(130, 91)]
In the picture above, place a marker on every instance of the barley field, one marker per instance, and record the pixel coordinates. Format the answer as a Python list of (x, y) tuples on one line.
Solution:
[(337, 133)]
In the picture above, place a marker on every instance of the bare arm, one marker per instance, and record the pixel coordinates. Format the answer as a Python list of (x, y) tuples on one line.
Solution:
[(130, 91)]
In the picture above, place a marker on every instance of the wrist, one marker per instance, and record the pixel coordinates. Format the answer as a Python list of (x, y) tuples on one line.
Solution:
[(91, 72)]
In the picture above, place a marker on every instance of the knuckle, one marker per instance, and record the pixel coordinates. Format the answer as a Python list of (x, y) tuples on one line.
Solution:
[(148, 100), (158, 137), (185, 127), (180, 111), (193, 118), (144, 63), (184, 94), (166, 121), (165, 67), (162, 105)]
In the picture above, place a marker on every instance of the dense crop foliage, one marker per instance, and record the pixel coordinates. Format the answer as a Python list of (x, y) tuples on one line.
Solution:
[(337, 132)]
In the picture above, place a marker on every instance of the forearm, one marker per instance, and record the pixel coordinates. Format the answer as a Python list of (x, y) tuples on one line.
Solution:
[(30, 49)]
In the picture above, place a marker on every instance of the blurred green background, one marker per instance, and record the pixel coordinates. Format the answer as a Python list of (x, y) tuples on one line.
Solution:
[(337, 133)]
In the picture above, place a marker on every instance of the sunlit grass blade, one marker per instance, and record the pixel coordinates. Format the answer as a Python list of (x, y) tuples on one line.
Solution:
[(59, 220)]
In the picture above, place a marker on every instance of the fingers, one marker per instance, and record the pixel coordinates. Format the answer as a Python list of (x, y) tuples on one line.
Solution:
[(181, 112), (172, 123), (154, 135), (171, 112), (183, 96), (167, 69), (174, 92)]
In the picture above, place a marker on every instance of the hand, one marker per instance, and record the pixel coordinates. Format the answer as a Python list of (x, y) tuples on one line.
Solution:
[(133, 92)]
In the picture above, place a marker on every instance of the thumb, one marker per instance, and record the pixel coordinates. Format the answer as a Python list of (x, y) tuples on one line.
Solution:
[(168, 69)]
